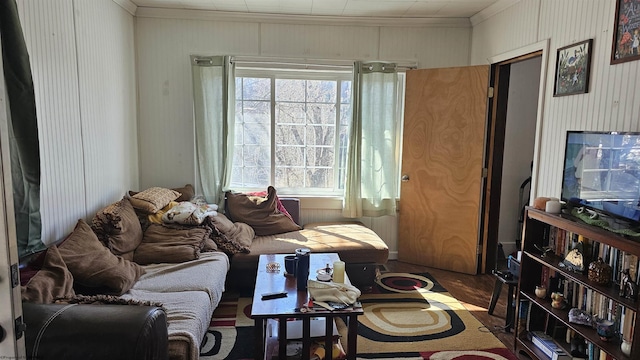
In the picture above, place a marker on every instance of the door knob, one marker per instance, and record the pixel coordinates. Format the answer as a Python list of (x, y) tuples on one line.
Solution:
[(405, 178)]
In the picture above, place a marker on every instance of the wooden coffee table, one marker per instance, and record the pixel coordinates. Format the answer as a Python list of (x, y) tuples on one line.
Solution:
[(290, 307)]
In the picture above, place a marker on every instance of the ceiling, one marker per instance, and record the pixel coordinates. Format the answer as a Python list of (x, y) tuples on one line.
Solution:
[(338, 8)]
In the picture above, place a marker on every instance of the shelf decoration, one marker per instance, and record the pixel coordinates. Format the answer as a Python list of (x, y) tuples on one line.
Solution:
[(572, 69), (626, 32), (576, 296), (557, 300), (599, 272), (578, 316), (628, 289), (605, 329)]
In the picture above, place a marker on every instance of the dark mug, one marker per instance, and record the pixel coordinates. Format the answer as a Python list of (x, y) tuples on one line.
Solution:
[(290, 264)]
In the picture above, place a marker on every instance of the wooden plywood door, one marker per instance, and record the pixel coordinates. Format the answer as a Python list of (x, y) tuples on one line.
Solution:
[(443, 147)]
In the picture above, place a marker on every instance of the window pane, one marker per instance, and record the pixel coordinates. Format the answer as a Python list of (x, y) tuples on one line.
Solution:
[(255, 177), (256, 89), (255, 134), (321, 91), (320, 178), (320, 135), (256, 156), (311, 114), (254, 111), (321, 113), (345, 92), (287, 177), (320, 156), (290, 90), (290, 113), (290, 135), (290, 156), (345, 115)]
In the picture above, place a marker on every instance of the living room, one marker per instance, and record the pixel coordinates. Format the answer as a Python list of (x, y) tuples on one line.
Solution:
[(114, 93)]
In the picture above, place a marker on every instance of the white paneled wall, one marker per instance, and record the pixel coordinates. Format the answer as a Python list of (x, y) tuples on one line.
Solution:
[(106, 68), (82, 61), (510, 29), (431, 47), (50, 37), (166, 39), (614, 92)]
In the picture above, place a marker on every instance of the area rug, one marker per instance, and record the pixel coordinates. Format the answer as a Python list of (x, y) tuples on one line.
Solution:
[(406, 316)]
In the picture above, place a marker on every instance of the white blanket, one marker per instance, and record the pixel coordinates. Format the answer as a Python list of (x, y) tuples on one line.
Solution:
[(189, 291)]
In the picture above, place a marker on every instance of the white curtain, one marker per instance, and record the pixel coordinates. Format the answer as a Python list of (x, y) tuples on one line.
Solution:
[(372, 163), (214, 105)]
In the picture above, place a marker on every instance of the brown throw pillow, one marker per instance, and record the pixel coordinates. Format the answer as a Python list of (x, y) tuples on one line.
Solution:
[(94, 266), (261, 213), (187, 192), (161, 244), (118, 228), (239, 232), (153, 199), (52, 281)]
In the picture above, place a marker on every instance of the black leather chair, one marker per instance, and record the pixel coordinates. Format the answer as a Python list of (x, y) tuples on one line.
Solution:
[(82, 331)]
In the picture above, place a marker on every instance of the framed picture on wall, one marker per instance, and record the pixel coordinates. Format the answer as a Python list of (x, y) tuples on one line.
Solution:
[(572, 69), (626, 32)]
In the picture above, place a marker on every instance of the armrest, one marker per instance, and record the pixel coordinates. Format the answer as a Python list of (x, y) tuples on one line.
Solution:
[(293, 208), (60, 331)]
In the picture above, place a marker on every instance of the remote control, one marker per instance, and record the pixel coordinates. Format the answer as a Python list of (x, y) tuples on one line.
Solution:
[(274, 295)]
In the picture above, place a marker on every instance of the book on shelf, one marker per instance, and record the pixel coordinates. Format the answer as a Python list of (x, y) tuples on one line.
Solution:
[(549, 346)]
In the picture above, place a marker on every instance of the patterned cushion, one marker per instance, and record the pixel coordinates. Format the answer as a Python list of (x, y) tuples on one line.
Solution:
[(240, 235), (153, 199)]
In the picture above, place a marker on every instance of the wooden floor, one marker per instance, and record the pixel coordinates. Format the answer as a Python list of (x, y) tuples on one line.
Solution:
[(474, 291)]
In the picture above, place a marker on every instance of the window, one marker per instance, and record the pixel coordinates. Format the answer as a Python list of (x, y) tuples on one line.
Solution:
[(291, 130)]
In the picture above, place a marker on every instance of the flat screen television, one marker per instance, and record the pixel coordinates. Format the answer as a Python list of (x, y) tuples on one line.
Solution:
[(602, 172)]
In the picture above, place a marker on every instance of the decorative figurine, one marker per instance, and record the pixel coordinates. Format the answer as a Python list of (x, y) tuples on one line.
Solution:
[(541, 291), (628, 289), (557, 300), (599, 272), (544, 250), (574, 261)]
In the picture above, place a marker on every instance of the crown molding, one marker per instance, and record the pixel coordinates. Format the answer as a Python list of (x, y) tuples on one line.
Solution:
[(187, 14), (492, 10), (127, 5)]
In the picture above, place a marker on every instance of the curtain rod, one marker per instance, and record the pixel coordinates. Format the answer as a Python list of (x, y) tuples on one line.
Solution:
[(311, 63), (316, 64)]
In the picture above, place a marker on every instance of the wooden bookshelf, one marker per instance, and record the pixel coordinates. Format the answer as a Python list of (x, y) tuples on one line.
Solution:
[(541, 231)]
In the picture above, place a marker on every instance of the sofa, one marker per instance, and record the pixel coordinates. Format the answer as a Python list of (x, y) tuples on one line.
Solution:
[(170, 276), (277, 224)]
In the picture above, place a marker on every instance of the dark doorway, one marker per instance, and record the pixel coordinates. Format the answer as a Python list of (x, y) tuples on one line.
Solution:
[(509, 153)]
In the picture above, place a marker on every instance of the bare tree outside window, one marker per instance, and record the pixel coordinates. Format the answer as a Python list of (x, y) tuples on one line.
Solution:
[(304, 120)]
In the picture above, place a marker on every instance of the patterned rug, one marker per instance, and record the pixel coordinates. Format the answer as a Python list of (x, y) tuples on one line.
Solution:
[(406, 316)]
